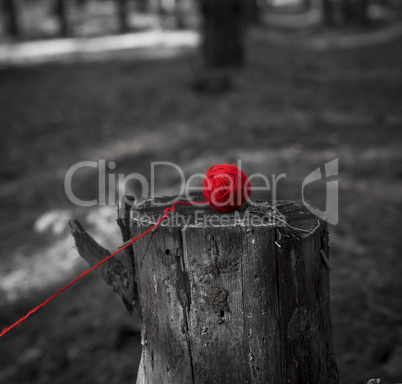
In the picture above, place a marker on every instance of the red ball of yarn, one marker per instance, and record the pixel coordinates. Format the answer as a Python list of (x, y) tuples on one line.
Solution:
[(226, 187)]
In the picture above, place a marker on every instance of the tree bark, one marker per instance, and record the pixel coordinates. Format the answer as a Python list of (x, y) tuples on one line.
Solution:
[(11, 18), (223, 302), (223, 32)]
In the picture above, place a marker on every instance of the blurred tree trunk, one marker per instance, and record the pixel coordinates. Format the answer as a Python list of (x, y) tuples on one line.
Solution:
[(307, 4), (223, 33), (61, 14), (81, 3), (254, 11), (158, 7), (122, 15), (362, 13), (327, 10), (143, 6), (347, 10), (355, 12), (11, 18), (180, 23)]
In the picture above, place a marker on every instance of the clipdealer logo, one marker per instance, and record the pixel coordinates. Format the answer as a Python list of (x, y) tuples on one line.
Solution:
[(115, 185), (331, 213)]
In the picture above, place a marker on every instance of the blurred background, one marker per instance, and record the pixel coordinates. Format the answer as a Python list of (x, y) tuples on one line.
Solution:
[(285, 86)]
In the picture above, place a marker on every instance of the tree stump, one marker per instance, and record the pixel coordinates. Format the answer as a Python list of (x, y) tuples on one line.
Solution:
[(231, 298)]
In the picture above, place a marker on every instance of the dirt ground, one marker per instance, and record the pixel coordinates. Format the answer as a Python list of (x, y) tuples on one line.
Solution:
[(291, 110)]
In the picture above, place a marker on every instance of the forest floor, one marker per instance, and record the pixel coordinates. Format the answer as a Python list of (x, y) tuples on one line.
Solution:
[(291, 110)]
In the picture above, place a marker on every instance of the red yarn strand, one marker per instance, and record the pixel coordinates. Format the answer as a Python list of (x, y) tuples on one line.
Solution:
[(226, 188), (32, 311)]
